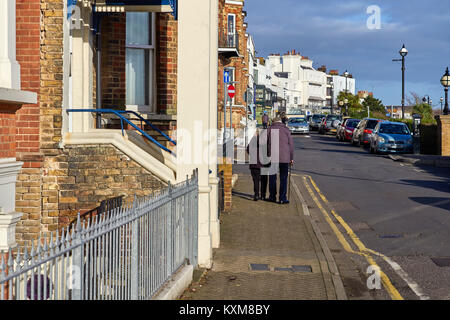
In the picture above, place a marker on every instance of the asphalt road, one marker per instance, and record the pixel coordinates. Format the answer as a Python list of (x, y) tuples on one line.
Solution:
[(402, 211)]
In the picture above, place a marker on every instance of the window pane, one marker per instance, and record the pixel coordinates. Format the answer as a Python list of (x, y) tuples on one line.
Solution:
[(231, 26), (137, 77), (138, 28)]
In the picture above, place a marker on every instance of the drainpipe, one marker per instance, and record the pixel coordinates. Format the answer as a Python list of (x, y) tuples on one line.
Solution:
[(99, 73)]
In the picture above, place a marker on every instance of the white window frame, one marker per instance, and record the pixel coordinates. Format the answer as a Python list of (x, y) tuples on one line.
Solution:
[(151, 108), (234, 31)]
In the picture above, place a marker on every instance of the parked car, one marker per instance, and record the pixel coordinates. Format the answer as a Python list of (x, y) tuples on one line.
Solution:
[(330, 123), (345, 130), (298, 125), (391, 137), (363, 132), (315, 121)]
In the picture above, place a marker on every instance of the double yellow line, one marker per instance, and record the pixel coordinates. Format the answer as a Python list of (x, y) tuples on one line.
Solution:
[(362, 250)]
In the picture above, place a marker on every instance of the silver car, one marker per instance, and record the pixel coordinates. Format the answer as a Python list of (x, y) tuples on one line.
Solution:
[(298, 125)]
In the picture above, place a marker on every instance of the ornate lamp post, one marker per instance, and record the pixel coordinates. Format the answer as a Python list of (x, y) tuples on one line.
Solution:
[(341, 104), (403, 52), (445, 81), (346, 77), (427, 100), (332, 95)]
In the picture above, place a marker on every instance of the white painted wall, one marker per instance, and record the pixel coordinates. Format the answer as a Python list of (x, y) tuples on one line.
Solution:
[(9, 67), (197, 98)]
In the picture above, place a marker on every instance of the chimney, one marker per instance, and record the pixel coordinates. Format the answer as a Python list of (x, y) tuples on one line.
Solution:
[(323, 69)]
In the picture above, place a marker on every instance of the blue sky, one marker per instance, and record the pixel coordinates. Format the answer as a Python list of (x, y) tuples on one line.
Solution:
[(335, 33)]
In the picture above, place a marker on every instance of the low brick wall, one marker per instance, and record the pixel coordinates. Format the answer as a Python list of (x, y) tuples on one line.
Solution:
[(98, 172), (444, 135), (227, 169), (76, 181)]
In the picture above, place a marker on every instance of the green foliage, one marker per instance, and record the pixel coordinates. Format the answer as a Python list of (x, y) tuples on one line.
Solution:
[(426, 112), (374, 104)]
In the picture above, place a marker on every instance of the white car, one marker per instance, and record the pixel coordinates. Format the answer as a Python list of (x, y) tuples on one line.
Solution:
[(298, 125)]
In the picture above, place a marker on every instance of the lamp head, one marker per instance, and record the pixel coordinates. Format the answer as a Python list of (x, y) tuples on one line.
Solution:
[(403, 51), (445, 80)]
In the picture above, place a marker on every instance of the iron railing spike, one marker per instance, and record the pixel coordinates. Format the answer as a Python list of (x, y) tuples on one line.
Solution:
[(10, 260), (2, 266), (62, 238)]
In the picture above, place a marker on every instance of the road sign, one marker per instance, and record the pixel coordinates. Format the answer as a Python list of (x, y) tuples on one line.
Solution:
[(226, 76), (231, 91)]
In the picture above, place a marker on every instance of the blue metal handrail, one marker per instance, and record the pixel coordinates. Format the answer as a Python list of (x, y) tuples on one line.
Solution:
[(120, 113), (141, 118)]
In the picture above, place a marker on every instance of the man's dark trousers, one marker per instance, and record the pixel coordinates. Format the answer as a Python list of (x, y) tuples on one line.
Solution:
[(284, 173)]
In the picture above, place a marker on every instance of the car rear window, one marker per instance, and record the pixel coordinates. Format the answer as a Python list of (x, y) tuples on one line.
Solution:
[(394, 129), (371, 124), (352, 123), (332, 118), (297, 120)]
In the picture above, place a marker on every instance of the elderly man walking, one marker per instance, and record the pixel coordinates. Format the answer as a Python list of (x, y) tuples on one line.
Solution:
[(281, 149)]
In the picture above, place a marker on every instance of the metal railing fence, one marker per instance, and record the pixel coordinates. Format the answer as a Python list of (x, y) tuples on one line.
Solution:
[(128, 254)]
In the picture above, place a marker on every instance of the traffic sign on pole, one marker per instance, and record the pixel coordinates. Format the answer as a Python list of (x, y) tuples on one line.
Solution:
[(226, 76), (231, 91)]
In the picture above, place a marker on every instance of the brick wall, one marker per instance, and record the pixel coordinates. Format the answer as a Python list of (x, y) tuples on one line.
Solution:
[(166, 63), (444, 135), (28, 40), (240, 64), (95, 173), (29, 55), (113, 77), (227, 169), (7, 132)]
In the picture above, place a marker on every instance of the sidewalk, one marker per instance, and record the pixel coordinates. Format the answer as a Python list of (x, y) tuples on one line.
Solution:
[(264, 233), (423, 160)]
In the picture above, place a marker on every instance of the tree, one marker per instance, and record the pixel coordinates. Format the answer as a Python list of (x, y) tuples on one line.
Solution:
[(413, 99), (425, 110), (354, 106), (375, 105)]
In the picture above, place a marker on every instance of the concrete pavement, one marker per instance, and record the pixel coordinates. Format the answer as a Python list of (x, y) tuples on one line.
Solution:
[(279, 240)]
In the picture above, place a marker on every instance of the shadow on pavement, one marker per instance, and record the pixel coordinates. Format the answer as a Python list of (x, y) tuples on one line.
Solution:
[(242, 195), (442, 186), (443, 203)]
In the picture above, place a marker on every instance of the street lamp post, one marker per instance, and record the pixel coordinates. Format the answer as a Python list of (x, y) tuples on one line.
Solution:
[(346, 77), (341, 103), (445, 81), (332, 96), (346, 107), (403, 52), (427, 99)]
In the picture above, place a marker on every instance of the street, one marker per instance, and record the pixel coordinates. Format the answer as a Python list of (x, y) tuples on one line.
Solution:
[(397, 210)]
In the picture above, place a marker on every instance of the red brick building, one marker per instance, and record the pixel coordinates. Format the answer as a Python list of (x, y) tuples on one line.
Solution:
[(233, 56), (18, 83), (59, 179)]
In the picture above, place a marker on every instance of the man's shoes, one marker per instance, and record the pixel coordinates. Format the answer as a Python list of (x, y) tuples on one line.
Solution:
[(284, 202), (255, 198), (272, 200)]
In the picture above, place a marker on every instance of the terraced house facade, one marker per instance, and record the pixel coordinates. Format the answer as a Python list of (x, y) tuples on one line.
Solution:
[(112, 82)]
